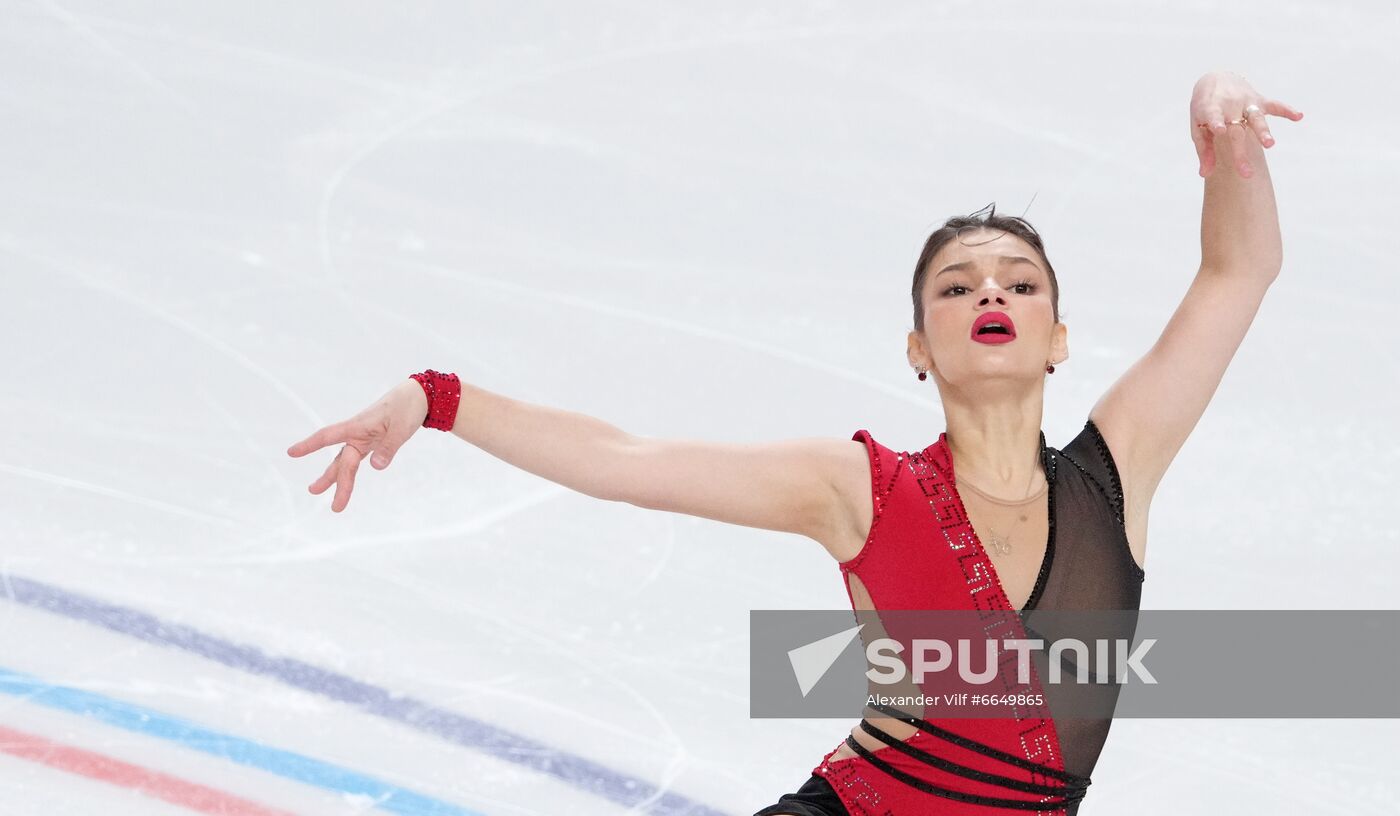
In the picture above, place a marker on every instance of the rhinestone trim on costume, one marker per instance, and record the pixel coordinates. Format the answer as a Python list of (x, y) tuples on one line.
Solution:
[(1117, 495), (1037, 738), (1113, 493), (879, 495)]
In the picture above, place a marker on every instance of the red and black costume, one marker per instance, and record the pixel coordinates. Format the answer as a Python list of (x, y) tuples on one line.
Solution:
[(922, 553)]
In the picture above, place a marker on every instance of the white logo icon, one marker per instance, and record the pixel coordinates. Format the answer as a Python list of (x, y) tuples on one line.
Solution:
[(810, 662)]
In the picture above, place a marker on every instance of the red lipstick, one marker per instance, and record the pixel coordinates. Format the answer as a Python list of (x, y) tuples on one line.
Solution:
[(993, 328)]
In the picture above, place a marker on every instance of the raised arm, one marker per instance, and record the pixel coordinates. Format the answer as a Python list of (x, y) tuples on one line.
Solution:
[(798, 486), (1146, 416)]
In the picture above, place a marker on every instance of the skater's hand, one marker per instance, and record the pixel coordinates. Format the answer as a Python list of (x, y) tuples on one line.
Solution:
[(381, 428), (1221, 97)]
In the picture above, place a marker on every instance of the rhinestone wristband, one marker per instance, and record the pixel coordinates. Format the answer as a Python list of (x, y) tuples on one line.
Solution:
[(444, 391)]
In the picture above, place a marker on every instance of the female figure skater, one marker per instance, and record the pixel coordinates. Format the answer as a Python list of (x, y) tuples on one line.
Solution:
[(1055, 529)]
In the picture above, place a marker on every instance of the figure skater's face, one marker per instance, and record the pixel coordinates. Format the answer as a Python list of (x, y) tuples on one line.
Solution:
[(955, 345)]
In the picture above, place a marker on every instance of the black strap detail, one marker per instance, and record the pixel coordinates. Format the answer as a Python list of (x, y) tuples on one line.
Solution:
[(1071, 780), (946, 793), (962, 770), (1116, 497)]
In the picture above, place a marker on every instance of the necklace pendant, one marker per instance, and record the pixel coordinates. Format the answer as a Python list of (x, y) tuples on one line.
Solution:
[(1001, 545)]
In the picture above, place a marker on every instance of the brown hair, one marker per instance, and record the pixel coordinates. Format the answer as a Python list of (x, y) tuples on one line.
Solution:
[(985, 218)]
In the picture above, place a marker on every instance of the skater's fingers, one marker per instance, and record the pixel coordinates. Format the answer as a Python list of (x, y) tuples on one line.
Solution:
[(1238, 135), (1260, 126), (1215, 126), (327, 478), (1273, 107), (345, 478), (1203, 141), (1215, 119), (1257, 120), (329, 435), (385, 452)]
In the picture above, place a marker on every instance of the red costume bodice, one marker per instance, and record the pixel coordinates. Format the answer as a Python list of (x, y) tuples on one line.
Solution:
[(923, 554)]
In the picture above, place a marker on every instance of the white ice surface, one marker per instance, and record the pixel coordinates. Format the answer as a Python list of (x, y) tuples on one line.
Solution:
[(225, 225)]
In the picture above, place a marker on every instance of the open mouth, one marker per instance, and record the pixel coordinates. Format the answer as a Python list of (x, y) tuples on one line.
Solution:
[(994, 327)]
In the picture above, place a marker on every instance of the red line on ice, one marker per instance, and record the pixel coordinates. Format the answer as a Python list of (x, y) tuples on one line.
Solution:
[(152, 783)]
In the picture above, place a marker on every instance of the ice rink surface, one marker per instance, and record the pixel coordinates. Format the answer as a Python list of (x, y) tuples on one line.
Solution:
[(226, 225)]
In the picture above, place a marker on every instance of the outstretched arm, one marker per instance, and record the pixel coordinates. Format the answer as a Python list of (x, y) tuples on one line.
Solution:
[(795, 486), (1146, 416), (787, 485)]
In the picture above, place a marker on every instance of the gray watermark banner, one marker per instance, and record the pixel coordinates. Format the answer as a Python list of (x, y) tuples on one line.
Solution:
[(1084, 664)]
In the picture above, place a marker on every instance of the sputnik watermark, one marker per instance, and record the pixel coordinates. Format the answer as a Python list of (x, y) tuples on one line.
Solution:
[(884, 654), (933, 656), (1090, 663)]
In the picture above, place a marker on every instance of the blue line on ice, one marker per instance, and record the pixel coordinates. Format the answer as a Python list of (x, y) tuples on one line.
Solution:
[(236, 749)]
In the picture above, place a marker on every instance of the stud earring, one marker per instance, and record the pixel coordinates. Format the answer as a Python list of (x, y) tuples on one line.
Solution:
[(922, 375), (1050, 368)]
